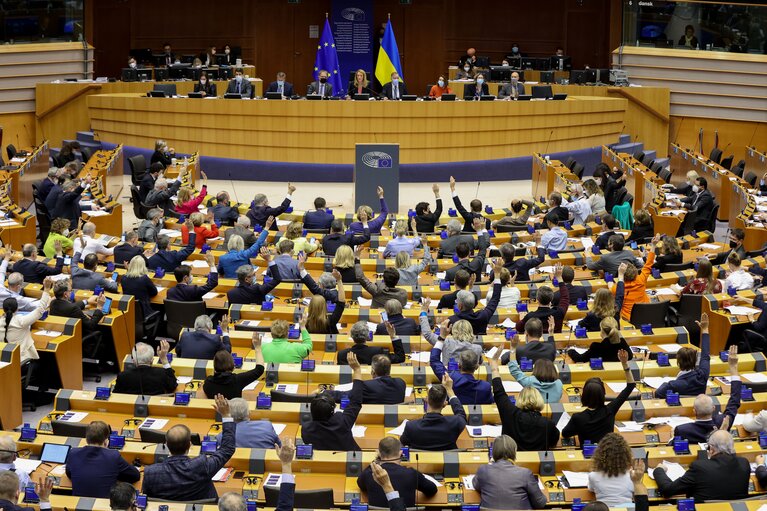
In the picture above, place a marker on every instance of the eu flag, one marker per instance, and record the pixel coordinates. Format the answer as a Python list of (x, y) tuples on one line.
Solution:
[(327, 59)]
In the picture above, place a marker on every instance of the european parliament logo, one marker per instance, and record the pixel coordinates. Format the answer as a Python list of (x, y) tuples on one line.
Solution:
[(353, 14), (377, 160)]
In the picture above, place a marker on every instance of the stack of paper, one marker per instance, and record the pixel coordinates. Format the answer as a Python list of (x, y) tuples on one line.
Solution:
[(197, 263), (629, 426), (184, 379), (364, 302), (492, 351), (48, 333), (616, 387), (359, 431), (755, 377), (670, 348), (512, 386), (656, 381), (507, 323), (73, 417), (468, 482), (421, 356), (222, 475), (664, 291), (26, 465), (484, 431), (673, 470), (399, 429), (564, 419), (210, 296), (100, 212), (739, 310), (279, 428), (150, 423), (576, 479), (430, 478)]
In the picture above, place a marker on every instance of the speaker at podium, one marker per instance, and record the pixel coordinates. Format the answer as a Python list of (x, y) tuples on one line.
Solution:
[(376, 165)]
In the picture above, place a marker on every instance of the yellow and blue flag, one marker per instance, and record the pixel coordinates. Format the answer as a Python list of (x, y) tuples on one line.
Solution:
[(327, 59), (388, 57)]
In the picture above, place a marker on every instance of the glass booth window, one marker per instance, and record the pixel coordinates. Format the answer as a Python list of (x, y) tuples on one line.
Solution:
[(29, 21)]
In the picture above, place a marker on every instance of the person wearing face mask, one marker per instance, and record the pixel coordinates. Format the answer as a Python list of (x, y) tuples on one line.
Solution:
[(204, 85), (239, 85), (512, 90), (439, 89), (132, 63), (736, 238), (465, 72), (474, 91), (395, 89), (281, 85), (209, 57), (701, 200), (228, 58), (684, 188), (515, 51), (321, 86)]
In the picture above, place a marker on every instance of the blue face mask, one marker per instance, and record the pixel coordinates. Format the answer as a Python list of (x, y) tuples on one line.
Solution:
[(395, 80), (480, 81), (280, 82), (239, 78), (441, 83)]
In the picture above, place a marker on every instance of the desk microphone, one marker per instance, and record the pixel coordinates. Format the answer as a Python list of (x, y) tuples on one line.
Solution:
[(476, 194), (551, 133), (641, 376), (417, 473), (725, 147), (622, 130)]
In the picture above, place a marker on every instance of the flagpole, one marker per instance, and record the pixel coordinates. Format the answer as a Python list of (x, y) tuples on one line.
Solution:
[(389, 16), (326, 15)]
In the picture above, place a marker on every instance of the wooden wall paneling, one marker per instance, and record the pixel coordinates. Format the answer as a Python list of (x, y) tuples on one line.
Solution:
[(738, 134), (18, 129), (111, 37)]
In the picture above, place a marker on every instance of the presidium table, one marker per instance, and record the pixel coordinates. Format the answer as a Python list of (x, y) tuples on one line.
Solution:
[(325, 132)]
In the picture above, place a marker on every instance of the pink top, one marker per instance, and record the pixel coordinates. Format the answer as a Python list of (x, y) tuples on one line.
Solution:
[(190, 207)]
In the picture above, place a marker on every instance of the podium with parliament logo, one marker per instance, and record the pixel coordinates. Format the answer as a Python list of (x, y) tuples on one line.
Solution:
[(376, 165)]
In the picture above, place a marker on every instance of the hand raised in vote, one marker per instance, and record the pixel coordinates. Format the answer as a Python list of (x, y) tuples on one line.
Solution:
[(302, 262), (285, 452), (225, 323), (257, 339), (162, 352), (336, 275), (221, 405), (444, 328), (425, 304), (43, 488), (703, 323), (210, 259), (291, 188), (354, 364), (47, 284), (381, 476), (266, 255), (435, 189), (380, 192), (452, 184), (637, 470), (269, 222)]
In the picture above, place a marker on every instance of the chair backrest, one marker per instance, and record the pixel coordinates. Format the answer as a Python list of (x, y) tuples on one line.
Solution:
[(86, 153), (716, 155), (639, 155), (652, 313), (727, 162), (72, 429), (510, 228), (303, 499), (11, 151), (647, 160), (712, 219), (578, 170), (136, 197), (750, 178), (287, 397), (738, 169), (665, 175), (542, 91), (679, 267), (570, 162), (754, 341), (688, 224), (182, 314), (137, 164)]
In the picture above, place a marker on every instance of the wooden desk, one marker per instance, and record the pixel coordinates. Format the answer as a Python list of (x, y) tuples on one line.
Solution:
[(63, 354), (33, 168), (10, 382), (544, 173), (718, 178), (756, 162)]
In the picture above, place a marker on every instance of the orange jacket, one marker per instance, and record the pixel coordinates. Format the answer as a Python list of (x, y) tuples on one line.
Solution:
[(636, 291), (203, 234)]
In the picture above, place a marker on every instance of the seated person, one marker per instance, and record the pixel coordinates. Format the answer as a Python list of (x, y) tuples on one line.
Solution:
[(576, 292), (295, 233), (384, 291), (160, 196), (440, 88), (607, 350), (248, 290), (704, 281), (35, 271), (605, 305), (400, 242), (454, 237), (320, 218), (556, 237), (382, 389), (669, 252), (403, 325), (359, 85), (534, 348), (635, 286), (184, 290), (203, 233), (520, 266), (545, 309), (129, 249), (463, 251), (337, 238), (468, 216), (239, 85), (281, 350), (88, 277), (468, 389), (360, 334), (455, 338), (149, 228), (281, 85), (225, 381), (285, 263), (395, 88), (692, 379), (237, 254), (205, 86), (702, 201), (321, 87), (510, 294), (473, 91), (608, 263), (520, 212), (63, 304), (409, 272), (610, 227), (737, 277), (463, 281), (466, 302), (434, 431), (260, 211), (377, 222), (224, 213), (243, 230), (143, 378), (643, 227), (251, 434), (466, 73), (168, 259), (200, 343), (513, 89)]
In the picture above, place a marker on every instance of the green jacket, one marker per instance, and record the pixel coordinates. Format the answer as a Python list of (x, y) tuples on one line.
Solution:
[(282, 351)]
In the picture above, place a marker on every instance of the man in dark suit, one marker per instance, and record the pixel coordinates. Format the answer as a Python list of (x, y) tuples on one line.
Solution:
[(142, 378), (468, 216), (425, 220), (512, 90), (61, 305), (88, 277), (9, 492), (395, 89), (575, 292), (454, 237), (545, 309), (437, 432), (129, 249), (184, 290), (149, 179), (691, 380), (160, 196), (35, 271), (68, 203), (48, 183), (321, 86), (248, 290), (336, 238), (534, 348), (260, 211), (723, 476), (331, 431), (167, 259), (93, 469), (463, 281), (467, 387), (707, 417), (473, 91), (476, 265), (239, 85), (223, 211), (382, 389), (200, 343), (520, 266), (702, 200), (242, 229), (610, 227), (402, 325), (364, 353), (466, 302), (319, 218), (557, 212), (182, 478), (406, 480), (281, 86)]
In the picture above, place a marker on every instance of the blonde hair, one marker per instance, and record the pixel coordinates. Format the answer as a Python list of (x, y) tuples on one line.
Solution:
[(136, 267), (317, 322), (402, 260), (279, 329), (505, 276), (604, 303), (235, 243), (592, 188), (462, 331), (530, 400), (294, 230), (367, 209), (609, 330), (364, 78), (400, 228), (184, 195), (692, 175), (197, 218), (344, 257)]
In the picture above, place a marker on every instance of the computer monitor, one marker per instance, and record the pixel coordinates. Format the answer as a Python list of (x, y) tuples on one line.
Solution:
[(187, 59), (361, 97), (168, 88), (547, 76), (578, 76), (221, 60), (483, 62), (142, 55), (197, 95), (273, 95), (158, 59), (129, 75), (212, 72), (500, 73), (591, 75), (192, 73), (448, 97), (176, 71), (161, 74), (542, 91), (603, 76), (515, 61), (560, 63)]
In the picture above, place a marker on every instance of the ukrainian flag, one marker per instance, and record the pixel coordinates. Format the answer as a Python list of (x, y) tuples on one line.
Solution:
[(388, 57)]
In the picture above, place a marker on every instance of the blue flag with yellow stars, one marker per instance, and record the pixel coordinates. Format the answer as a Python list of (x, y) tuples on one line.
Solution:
[(327, 59)]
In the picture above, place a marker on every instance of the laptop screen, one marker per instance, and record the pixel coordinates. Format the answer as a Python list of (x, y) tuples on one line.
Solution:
[(54, 453)]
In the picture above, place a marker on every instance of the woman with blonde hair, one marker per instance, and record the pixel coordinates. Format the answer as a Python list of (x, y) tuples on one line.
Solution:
[(344, 263), (610, 476), (612, 342), (595, 196), (186, 202), (59, 232), (686, 187), (605, 306), (359, 85), (510, 294), (196, 223), (295, 233), (456, 338), (400, 242), (318, 320), (136, 282), (669, 252), (408, 272)]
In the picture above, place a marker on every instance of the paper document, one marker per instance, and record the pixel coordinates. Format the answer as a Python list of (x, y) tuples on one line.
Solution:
[(251, 385), (26, 465), (100, 212), (709, 246), (492, 351), (468, 482), (665, 291), (587, 243), (289, 388), (576, 479), (755, 377), (656, 381), (73, 417), (364, 302), (8, 223), (629, 426), (430, 478), (484, 431), (616, 387), (279, 428), (673, 470), (197, 263), (408, 391), (210, 296), (273, 480), (184, 379), (670, 348), (250, 323), (150, 423), (399, 429), (507, 323), (579, 351), (344, 387), (359, 431), (281, 223), (546, 269), (48, 333), (171, 233), (421, 356), (739, 310), (564, 419), (512, 386), (441, 275)]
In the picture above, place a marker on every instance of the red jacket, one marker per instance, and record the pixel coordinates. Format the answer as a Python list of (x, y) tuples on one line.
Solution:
[(203, 234)]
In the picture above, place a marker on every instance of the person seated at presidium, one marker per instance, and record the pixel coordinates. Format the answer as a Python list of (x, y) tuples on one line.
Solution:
[(513, 89), (439, 89), (281, 85), (473, 91), (359, 85), (321, 87), (395, 89), (239, 85), (205, 86)]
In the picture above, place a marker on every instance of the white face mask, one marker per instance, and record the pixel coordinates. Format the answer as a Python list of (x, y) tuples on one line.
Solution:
[(65, 233), (202, 81), (395, 80), (132, 65), (441, 83), (599, 181), (695, 188), (239, 78), (466, 68), (480, 81), (227, 51)]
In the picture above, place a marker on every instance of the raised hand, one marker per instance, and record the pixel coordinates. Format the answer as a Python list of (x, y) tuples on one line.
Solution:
[(497, 267), (622, 270), (291, 188), (703, 323), (390, 329), (444, 328), (286, 452), (447, 381), (47, 284), (425, 304), (210, 259), (256, 339), (452, 184), (265, 254), (637, 470), (551, 324), (558, 271), (269, 222), (225, 323), (162, 352), (221, 405), (435, 189), (478, 223), (354, 364), (623, 357), (336, 274), (380, 192)]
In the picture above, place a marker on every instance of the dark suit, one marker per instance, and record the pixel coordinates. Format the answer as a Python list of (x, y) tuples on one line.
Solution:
[(146, 380), (169, 260), (314, 88), (209, 88), (531, 430), (538, 349), (332, 241), (480, 318), (162, 199), (7, 505), (543, 312), (365, 353), (475, 265), (161, 157), (260, 214), (202, 345), (52, 198), (225, 214), (698, 431), (703, 202), (382, 390), (251, 294), (46, 185), (247, 235), (94, 470), (470, 91), (402, 325), (335, 434), (184, 478), (694, 382), (507, 90), (68, 206), (468, 217), (146, 186), (389, 90), (287, 88), (427, 222), (521, 266), (447, 246), (244, 87), (68, 309), (124, 252), (318, 219), (192, 293), (405, 480), (434, 431), (723, 477), (35, 271)]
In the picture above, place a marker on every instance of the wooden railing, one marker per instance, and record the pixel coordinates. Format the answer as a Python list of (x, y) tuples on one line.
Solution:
[(64, 101)]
